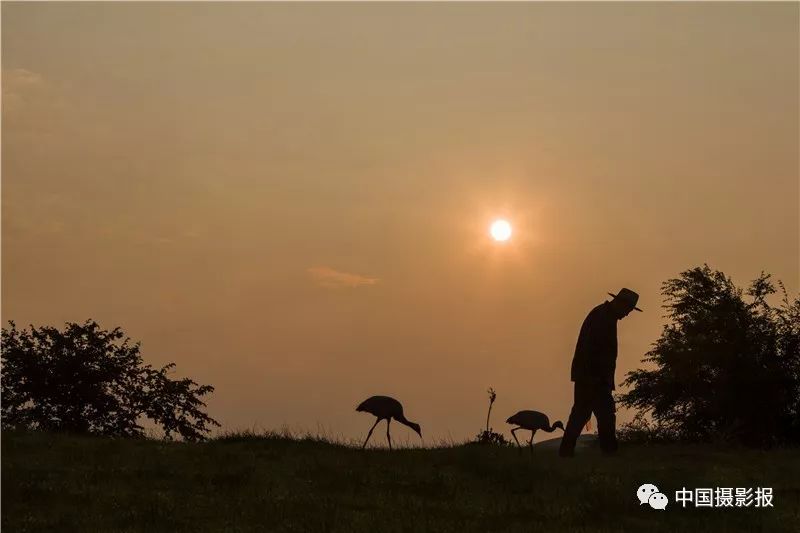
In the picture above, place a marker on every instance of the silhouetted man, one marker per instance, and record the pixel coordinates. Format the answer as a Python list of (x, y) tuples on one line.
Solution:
[(593, 372)]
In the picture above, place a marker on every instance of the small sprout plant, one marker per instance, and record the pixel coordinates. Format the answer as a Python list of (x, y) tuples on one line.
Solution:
[(487, 436)]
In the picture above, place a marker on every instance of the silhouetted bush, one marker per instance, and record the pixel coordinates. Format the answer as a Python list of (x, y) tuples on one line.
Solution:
[(640, 430), (490, 437), (88, 380), (726, 366)]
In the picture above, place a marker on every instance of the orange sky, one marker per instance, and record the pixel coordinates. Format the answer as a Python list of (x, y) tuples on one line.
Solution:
[(292, 201)]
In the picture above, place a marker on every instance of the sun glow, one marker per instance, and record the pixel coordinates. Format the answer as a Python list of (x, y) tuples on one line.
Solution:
[(500, 230)]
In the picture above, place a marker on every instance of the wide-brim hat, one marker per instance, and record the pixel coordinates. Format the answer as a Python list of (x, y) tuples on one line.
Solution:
[(627, 296)]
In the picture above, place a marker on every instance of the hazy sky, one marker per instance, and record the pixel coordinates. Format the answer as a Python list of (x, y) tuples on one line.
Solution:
[(291, 201)]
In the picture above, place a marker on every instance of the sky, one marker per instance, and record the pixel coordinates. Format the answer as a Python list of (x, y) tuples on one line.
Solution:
[(292, 201)]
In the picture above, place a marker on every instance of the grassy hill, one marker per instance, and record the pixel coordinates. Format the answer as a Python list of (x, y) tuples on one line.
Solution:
[(68, 483)]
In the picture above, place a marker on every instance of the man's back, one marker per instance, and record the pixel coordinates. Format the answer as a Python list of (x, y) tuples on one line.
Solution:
[(596, 351)]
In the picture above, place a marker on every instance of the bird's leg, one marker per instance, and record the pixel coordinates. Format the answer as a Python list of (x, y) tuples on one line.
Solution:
[(388, 437), (515, 437), (370, 433), (533, 432)]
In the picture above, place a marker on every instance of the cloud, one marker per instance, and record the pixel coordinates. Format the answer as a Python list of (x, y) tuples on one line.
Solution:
[(34, 108), (329, 278), (18, 85), (17, 78)]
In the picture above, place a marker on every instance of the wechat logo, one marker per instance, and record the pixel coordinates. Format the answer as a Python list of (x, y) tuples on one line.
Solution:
[(648, 493)]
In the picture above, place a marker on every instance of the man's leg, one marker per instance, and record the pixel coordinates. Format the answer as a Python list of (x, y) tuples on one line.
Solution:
[(581, 411), (604, 410)]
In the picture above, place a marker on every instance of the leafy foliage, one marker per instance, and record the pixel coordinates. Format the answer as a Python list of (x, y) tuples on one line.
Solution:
[(640, 430), (88, 380), (728, 364), (490, 437)]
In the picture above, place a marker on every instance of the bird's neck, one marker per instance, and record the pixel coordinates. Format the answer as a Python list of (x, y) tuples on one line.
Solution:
[(403, 420), (550, 429)]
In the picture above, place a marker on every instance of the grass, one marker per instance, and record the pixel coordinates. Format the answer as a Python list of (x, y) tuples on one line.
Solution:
[(274, 483)]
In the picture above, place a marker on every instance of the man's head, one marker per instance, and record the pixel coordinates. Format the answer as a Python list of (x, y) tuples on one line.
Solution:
[(624, 302)]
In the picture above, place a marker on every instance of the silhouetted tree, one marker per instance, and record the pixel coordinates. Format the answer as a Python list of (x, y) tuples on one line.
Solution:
[(88, 380), (728, 364)]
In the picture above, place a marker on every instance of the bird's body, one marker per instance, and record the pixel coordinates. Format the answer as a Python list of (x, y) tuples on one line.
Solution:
[(532, 421), (382, 407), (385, 408)]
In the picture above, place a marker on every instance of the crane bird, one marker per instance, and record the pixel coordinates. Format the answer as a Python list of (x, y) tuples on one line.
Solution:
[(384, 407), (533, 421)]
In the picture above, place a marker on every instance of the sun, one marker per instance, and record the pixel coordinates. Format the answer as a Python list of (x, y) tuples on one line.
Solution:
[(500, 230)]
